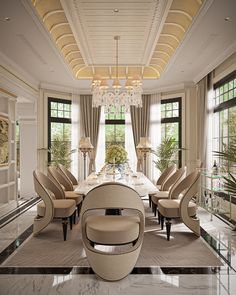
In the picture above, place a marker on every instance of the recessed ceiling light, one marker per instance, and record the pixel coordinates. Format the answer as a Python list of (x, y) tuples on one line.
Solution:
[(116, 10), (7, 19), (227, 19)]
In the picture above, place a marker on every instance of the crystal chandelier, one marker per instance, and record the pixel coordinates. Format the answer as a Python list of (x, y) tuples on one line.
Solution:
[(115, 99)]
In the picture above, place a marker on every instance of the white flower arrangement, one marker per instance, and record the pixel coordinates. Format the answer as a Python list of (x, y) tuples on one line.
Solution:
[(116, 154)]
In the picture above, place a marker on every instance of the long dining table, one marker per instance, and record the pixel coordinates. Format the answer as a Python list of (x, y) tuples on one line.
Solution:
[(138, 181)]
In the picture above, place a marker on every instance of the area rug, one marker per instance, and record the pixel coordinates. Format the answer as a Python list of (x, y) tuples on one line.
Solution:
[(49, 250)]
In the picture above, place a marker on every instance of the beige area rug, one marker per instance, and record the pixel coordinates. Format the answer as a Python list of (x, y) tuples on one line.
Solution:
[(49, 250)]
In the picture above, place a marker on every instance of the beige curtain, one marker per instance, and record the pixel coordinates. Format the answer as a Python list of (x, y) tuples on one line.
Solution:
[(90, 118), (140, 118), (204, 123)]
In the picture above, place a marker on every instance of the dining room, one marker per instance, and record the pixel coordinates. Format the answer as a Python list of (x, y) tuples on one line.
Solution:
[(117, 147)]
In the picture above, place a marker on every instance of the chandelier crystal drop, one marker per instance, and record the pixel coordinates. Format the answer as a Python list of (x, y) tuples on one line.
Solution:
[(117, 98)]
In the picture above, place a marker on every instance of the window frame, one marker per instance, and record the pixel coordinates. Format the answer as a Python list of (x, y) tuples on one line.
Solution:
[(114, 122), (175, 120), (55, 119)]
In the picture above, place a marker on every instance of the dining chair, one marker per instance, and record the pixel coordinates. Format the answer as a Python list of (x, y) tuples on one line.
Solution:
[(112, 230), (69, 176), (163, 178), (53, 205), (167, 187), (180, 205), (65, 185)]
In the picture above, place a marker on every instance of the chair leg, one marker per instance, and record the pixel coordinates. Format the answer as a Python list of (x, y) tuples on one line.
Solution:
[(155, 209), (150, 201), (78, 209), (168, 227), (159, 216), (71, 221), (162, 221), (74, 217), (64, 226)]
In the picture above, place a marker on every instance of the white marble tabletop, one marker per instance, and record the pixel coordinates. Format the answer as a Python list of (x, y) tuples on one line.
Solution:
[(138, 181)]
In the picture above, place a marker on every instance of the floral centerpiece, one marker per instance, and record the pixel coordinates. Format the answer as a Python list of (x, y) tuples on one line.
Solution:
[(116, 154)]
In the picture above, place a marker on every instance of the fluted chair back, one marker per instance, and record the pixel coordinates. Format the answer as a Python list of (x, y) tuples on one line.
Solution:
[(60, 179), (174, 179), (53, 204), (166, 174), (69, 175)]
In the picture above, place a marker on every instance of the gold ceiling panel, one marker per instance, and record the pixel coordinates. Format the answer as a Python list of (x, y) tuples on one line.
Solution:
[(178, 20), (54, 19), (121, 72)]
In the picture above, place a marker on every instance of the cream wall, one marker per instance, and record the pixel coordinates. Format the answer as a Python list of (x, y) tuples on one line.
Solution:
[(23, 91), (189, 123)]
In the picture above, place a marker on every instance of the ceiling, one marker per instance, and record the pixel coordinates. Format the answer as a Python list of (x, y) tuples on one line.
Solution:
[(65, 43)]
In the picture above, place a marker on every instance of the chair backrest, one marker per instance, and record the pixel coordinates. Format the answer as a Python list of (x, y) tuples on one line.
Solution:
[(184, 185), (60, 179), (191, 191), (174, 179), (68, 174), (42, 186), (166, 174), (112, 195)]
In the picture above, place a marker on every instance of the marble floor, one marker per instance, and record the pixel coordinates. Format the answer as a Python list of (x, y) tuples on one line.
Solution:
[(155, 280)]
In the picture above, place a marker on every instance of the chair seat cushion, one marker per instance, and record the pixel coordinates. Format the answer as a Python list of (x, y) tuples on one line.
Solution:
[(170, 208), (62, 208), (159, 196), (71, 195), (112, 229)]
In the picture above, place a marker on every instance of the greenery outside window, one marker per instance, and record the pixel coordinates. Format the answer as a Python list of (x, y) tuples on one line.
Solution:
[(171, 117), (115, 128), (59, 126), (224, 119)]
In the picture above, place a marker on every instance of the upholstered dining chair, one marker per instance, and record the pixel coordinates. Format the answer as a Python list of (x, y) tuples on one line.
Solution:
[(69, 175), (65, 185), (112, 230), (167, 187), (163, 178), (53, 205), (180, 204)]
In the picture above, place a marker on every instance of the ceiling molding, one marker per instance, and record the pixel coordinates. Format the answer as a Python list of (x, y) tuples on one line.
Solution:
[(144, 34), (33, 13), (189, 31), (221, 58)]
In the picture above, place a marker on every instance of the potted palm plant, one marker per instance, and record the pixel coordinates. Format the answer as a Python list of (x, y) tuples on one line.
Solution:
[(166, 153), (229, 157)]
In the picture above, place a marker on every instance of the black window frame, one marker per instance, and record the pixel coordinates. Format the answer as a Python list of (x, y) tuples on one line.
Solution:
[(175, 120), (114, 122), (55, 119), (225, 105)]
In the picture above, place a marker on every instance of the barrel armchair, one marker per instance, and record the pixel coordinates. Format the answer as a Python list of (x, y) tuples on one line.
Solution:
[(180, 204), (163, 178), (167, 188), (69, 176), (53, 204), (65, 186), (125, 231)]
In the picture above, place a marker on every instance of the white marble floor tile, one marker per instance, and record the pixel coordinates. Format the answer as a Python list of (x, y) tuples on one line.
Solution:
[(133, 284)]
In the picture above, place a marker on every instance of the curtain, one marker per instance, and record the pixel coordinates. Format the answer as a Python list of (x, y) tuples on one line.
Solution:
[(129, 143), (140, 124), (155, 132), (100, 160), (205, 116), (90, 118), (76, 164)]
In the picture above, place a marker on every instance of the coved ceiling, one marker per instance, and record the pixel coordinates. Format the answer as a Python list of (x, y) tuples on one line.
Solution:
[(150, 32)]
